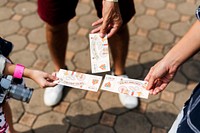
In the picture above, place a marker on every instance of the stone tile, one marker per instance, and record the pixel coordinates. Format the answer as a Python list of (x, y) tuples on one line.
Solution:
[(70, 55), (5, 13), (148, 59), (191, 1), (154, 4), (133, 55), (140, 9), (150, 24), (72, 27), (82, 60), (108, 119), (37, 36), (23, 58), (22, 128), (99, 129), (8, 30), (19, 42), (85, 1), (77, 43), (143, 107), (23, 31), (83, 9), (178, 83), (74, 95), (168, 15), (32, 18), (191, 70), (3, 2), (157, 48), (41, 54), (185, 18), (94, 96), (25, 8), (62, 107), (87, 20), (171, 5), (82, 32), (17, 17), (186, 8), (181, 98), (158, 130), (162, 114), (17, 109), (151, 98), (36, 105), (31, 47), (39, 64), (130, 122), (132, 28), (151, 12), (142, 32), (11, 4), (28, 119), (51, 122), (75, 130), (133, 69), (161, 36), (167, 96), (164, 25), (112, 105), (180, 28), (191, 85), (83, 113)]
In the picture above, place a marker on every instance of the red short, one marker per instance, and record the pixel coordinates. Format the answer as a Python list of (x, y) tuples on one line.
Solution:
[(56, 12)]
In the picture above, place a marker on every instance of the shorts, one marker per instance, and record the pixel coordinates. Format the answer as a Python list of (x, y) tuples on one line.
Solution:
[(55, 12)]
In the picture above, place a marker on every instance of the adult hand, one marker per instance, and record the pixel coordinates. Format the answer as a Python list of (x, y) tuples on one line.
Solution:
[(110, 22), (160, 76)]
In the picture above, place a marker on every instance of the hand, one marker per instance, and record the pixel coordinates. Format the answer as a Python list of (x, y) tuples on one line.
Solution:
[(43, 79), (110, 22), (160, 76)]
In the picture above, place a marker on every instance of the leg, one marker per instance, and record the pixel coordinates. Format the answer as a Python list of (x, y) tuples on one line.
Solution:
[(119, 49), (57, 37), (8, 116)]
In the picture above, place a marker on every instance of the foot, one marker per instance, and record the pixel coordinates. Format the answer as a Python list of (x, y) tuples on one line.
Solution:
[(53, 95), (130, 102)]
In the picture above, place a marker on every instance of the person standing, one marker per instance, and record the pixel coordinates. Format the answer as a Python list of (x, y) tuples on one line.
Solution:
[(114, 16)]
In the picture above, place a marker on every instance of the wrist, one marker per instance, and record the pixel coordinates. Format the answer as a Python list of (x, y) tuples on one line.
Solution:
[(112, 0), (18, 72)]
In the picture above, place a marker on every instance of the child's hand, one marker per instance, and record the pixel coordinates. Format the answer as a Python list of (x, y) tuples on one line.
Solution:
[(43, 79)]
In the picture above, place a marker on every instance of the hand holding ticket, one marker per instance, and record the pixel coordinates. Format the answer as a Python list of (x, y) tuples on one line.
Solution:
[(126, 86)]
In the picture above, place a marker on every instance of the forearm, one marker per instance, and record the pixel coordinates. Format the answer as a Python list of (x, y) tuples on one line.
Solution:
[(186, 47), (10, 68)]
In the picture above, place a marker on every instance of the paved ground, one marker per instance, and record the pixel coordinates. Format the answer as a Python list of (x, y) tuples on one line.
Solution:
[(156, 27)]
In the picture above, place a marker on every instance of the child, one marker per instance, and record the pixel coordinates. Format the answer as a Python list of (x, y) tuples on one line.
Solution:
[(43, 79)]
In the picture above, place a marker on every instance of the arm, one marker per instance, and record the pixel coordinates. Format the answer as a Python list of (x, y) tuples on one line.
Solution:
[(111, 20), (163, 72), (41, 78)]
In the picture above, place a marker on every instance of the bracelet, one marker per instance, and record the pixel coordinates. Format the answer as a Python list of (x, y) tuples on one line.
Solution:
[(112, 0), (19, 69)]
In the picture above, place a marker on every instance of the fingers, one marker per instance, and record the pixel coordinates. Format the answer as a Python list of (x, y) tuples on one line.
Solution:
[(98, 22)]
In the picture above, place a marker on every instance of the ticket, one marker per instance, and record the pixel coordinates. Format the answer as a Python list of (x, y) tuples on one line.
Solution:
[(99, 53), (79, 80), (126, 86)]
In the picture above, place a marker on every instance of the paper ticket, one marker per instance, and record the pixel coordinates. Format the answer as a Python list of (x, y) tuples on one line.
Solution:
[(79, 80), (99, 53), (127, 86)]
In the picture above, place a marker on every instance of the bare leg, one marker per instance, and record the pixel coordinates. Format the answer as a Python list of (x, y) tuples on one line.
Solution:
[(8, 115), (57, 38), (119, 49)]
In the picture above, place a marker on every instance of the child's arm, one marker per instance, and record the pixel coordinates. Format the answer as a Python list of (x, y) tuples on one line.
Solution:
[(43, 79)]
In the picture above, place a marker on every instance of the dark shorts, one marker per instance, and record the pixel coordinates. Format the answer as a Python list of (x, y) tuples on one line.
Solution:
[(56, 12)]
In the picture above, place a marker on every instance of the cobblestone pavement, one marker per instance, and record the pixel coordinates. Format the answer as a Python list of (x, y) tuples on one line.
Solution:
[(156, 27)]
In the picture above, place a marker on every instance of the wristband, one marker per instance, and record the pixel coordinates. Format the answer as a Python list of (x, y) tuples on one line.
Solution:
[(112, 0), (19, 70)]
